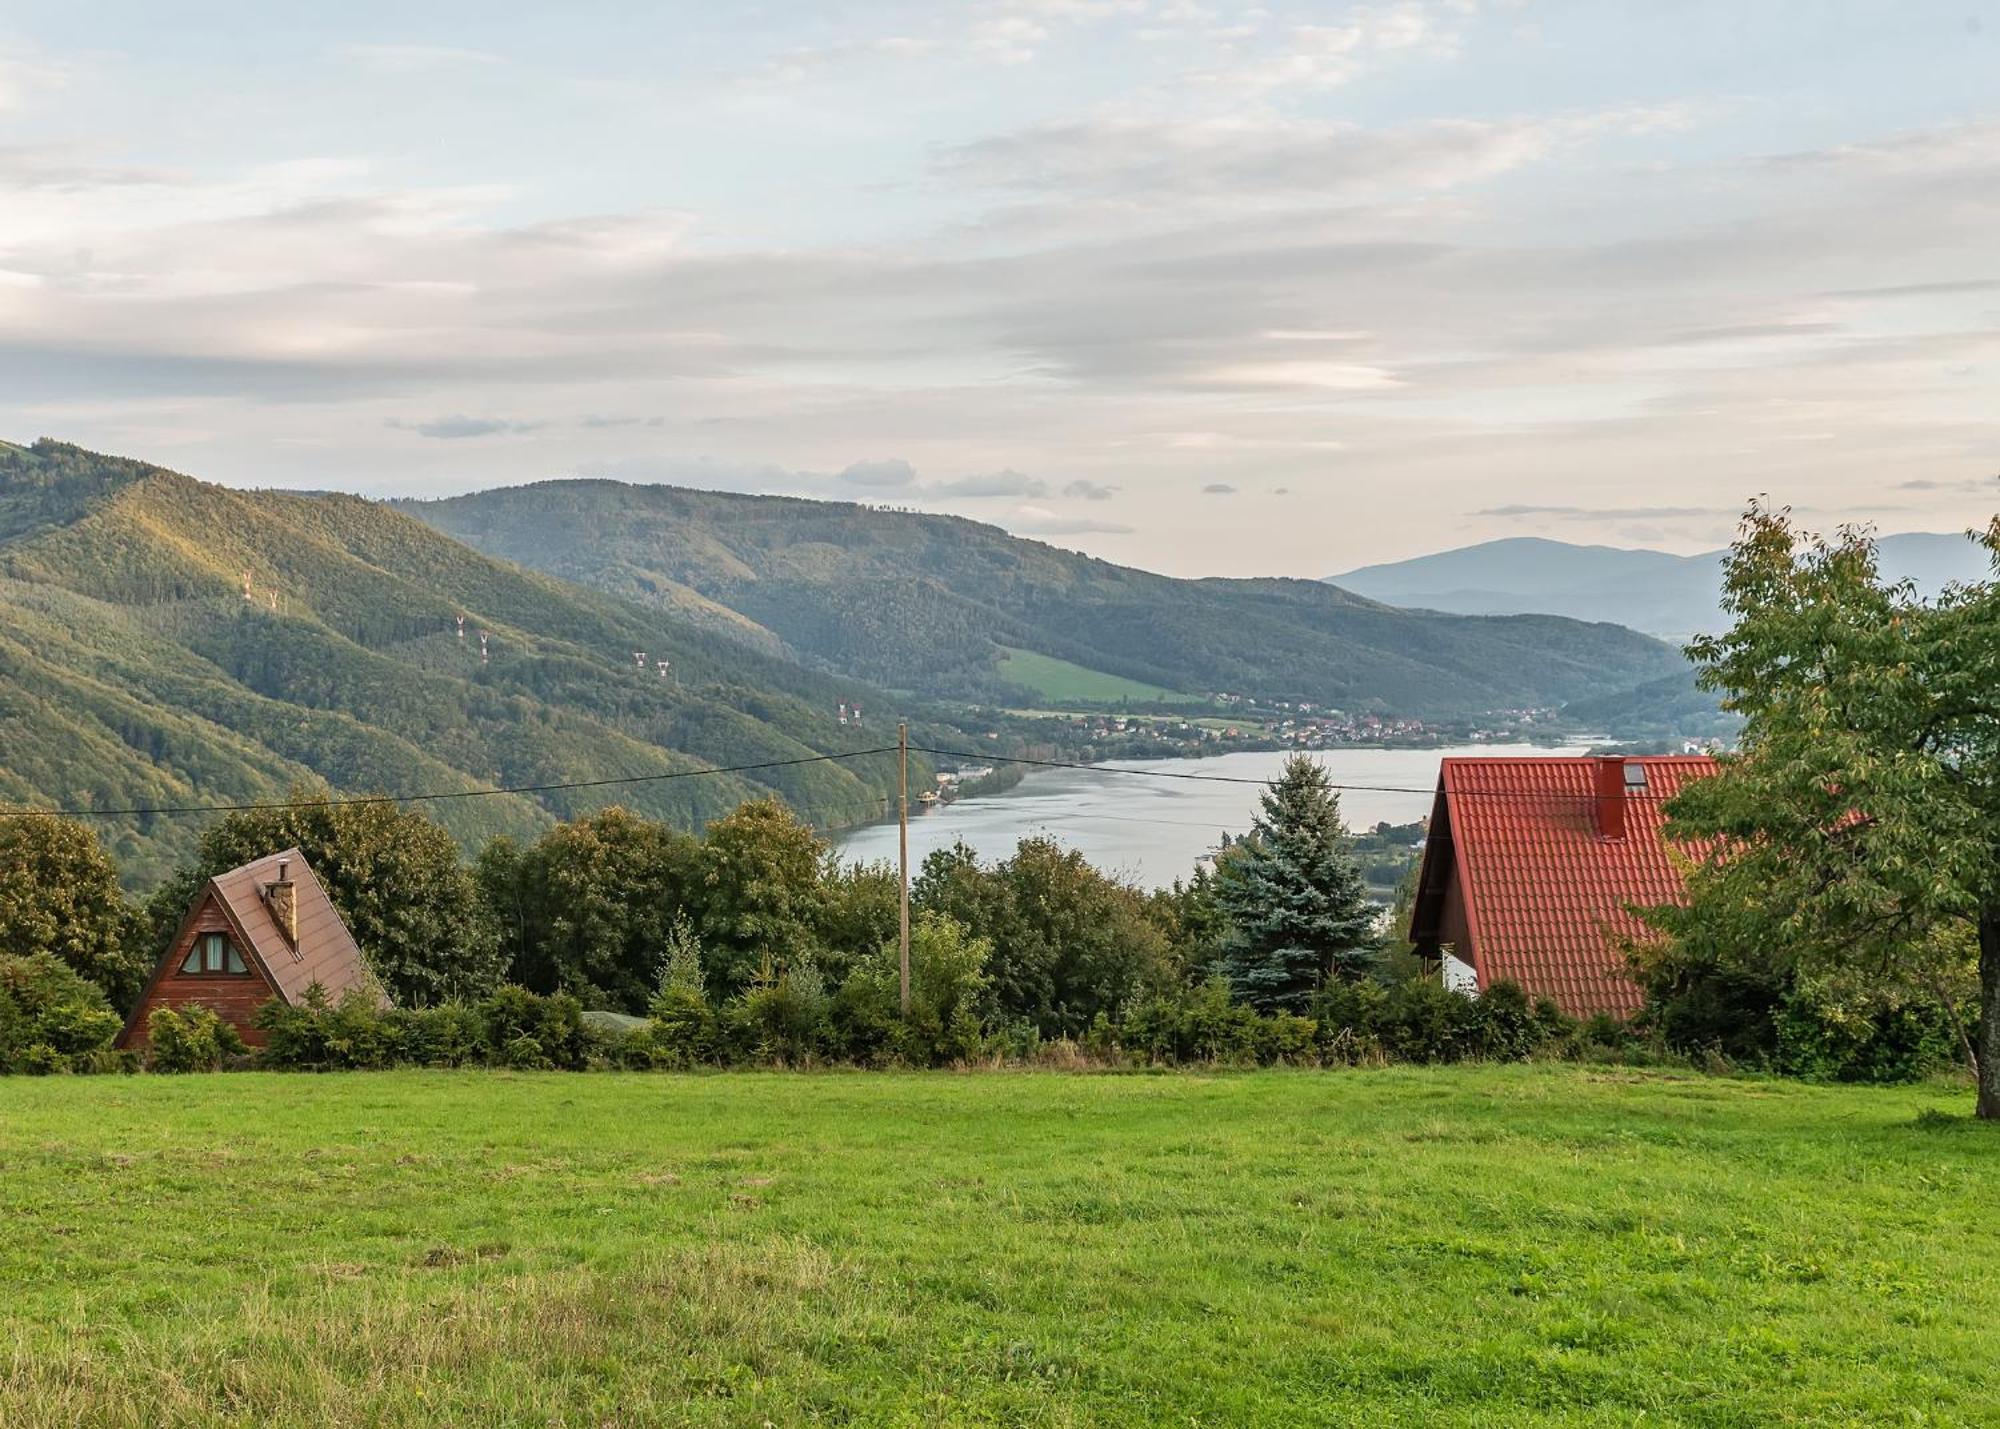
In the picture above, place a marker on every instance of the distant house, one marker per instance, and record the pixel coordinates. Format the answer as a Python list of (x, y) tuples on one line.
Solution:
[(257, 932), (1531, 864)]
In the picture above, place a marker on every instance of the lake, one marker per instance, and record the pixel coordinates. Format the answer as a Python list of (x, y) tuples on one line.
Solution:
[(1154, 829)]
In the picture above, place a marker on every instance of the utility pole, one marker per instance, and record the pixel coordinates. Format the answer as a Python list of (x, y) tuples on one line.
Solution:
[(903, 844)]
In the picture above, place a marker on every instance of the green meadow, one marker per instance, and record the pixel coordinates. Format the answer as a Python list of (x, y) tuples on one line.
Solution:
[(1059, 681), (1463, 1246)]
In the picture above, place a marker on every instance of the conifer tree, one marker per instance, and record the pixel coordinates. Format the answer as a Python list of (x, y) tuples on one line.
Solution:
[(1296, 905)]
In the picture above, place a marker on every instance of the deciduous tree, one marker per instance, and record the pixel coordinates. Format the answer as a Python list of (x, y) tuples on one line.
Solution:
[(59, 894), (1856, 838)]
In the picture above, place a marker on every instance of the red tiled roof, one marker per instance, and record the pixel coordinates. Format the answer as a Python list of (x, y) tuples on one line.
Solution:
[(1545, 894)]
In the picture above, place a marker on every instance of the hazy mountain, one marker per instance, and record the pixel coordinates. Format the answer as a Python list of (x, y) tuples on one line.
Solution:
[(1666, 595), (133, 672), (936, 603)]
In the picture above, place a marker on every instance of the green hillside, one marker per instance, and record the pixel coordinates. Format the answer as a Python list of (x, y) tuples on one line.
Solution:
[(932, 603), (134, 673), (1065, 682)]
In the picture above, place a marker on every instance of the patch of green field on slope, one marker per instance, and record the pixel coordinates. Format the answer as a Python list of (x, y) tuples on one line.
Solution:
[(1490, 1246), (1059, 680)]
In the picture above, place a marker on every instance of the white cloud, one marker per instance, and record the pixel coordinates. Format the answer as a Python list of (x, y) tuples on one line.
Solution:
[(24, 77), (1040, 521)]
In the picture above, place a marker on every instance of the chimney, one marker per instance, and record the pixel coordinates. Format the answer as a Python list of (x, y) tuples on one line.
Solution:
[(1609, 787), (282, 898)]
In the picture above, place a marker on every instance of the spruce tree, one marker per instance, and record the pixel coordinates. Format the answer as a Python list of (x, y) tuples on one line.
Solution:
[(1296, 905)]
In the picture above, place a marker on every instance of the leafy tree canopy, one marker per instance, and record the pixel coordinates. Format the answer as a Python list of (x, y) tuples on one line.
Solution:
[(59, 894), (1857, 836)]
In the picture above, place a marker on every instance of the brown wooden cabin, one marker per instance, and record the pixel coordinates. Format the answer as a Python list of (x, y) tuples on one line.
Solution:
[(257, 932)]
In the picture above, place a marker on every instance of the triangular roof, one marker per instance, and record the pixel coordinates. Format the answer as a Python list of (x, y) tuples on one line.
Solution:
[(326, 954), (1546, 895)]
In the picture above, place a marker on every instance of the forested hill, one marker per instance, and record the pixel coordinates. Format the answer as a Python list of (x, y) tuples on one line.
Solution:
[(133, 672), (933, 603)]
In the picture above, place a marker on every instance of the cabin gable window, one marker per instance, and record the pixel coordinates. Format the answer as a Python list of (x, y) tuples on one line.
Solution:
[(213, 955)]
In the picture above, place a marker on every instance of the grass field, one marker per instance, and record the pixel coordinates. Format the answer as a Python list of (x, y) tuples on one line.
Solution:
[(1490, 1246), (1060, 680)]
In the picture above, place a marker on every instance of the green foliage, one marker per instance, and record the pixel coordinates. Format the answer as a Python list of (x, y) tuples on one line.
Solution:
[(190, 1039), (760, 883), (948, 993), (1857, 836), (394, 875), (1760, 1013), (1068, 942), (782, 1017), (1295, 904), (51, 1018), (138, 675), (511, 1027), (685, 1028), (588, 906), (59, 895)]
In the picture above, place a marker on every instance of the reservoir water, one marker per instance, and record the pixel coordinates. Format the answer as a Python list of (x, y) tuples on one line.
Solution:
[(1152, 829)]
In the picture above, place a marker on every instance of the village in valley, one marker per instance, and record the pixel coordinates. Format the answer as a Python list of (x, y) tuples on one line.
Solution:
[(1043, 713)]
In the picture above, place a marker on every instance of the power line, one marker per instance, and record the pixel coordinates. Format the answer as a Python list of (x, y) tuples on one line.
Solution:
[(431, 798)]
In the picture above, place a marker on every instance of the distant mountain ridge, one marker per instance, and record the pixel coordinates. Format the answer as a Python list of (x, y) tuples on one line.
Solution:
[(933, 603), (134, 673), (1669, 596)]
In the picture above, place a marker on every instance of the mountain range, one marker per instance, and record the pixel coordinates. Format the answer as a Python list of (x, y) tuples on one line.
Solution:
[(166, 642), (1662, 594), (960, 609), (135, 673)]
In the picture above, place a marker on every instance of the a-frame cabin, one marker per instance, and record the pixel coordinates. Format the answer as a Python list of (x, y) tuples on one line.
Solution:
[(265, 930)]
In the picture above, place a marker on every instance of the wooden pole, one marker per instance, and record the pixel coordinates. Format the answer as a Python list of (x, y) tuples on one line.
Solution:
[(903, 855)]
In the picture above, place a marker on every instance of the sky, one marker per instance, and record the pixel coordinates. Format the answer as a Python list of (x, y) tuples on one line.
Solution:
[(1202, 287)]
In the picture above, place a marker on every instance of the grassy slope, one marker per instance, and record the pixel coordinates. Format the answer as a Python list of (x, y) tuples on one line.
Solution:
[(1467, 1246), (1062, 680), (132, 673), (926, 602)]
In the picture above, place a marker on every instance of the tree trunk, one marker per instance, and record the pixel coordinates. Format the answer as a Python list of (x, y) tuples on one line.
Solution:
[(1989, 1014)]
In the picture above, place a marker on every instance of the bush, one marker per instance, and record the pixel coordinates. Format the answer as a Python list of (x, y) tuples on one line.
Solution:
[(1424, 1021), (52, 1019), (948, 988), (512, 1028), (1198, 1024), (192, 1039)]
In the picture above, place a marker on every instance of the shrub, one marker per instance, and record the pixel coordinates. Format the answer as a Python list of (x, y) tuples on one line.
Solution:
[(52, 1019), (192, 1039), (1197, 1024), (948, 987)]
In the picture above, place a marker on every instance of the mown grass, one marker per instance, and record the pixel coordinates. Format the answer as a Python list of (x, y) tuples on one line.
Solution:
[(1059, 680), (1488, 1246)]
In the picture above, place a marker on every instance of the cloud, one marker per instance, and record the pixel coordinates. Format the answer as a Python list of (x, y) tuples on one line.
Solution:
[(23, 76), (999, 483), (596, 422), (455, 427), (1082, 490), (1040, 521), (1328, 55), (1969, 484), (1218, 488), (890, 474)]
